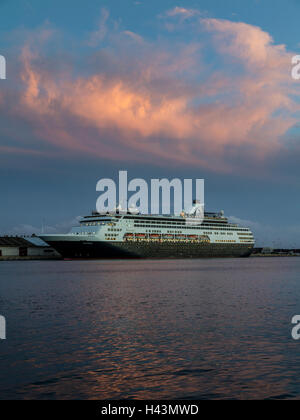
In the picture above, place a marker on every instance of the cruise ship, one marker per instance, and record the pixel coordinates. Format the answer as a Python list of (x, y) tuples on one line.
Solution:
[(119, 235)]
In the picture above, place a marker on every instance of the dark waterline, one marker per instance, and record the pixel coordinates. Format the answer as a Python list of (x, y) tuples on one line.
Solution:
[(150, 329)]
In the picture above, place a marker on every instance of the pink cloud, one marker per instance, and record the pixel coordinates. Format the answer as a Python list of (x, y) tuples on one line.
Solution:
[(154, 112)]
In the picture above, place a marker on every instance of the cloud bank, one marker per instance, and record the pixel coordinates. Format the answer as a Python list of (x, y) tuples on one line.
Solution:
[(221, 100)]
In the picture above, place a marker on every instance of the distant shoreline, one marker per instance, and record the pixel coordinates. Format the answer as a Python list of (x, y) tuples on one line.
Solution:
[(274, 255), (57, 258), (30, 258)]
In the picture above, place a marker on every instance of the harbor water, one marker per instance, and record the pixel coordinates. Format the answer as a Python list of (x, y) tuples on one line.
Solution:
[(176, 329)]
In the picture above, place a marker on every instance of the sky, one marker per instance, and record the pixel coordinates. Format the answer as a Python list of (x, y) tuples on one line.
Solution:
[(191, 89)]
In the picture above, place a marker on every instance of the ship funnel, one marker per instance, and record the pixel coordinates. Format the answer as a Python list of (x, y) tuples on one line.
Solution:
[(196, 210)]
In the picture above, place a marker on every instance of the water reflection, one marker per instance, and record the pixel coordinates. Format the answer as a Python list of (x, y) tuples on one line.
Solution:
[(154, 329)]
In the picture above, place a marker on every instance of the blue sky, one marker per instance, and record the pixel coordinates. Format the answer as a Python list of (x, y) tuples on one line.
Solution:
[(170, 89), (280, 18)]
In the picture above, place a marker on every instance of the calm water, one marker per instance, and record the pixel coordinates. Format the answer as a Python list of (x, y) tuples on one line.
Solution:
[(150, 329)]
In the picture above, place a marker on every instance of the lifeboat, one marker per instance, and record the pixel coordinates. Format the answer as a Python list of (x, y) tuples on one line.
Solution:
[(129, 236), (168, 236), (154, 236), (204, 238)]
